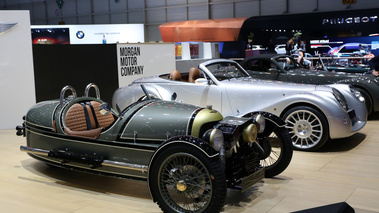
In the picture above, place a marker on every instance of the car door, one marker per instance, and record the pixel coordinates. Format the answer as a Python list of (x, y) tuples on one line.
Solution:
[(198, 94)]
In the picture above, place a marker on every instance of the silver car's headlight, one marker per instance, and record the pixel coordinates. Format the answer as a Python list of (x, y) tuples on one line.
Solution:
[(357, 94), (340, 98)]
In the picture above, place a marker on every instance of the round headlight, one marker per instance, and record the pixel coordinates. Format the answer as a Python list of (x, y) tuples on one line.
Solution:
[(250, 133), (215, 138), (260, 119)]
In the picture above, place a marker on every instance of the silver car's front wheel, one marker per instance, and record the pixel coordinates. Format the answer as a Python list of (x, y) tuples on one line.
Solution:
[(308, 128)]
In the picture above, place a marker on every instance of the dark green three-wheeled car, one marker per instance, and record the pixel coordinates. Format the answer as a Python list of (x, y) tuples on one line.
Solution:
[(189, 155)]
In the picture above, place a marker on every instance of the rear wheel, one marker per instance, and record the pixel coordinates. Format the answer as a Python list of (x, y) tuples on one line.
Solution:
[(183, 179), (307, 127)]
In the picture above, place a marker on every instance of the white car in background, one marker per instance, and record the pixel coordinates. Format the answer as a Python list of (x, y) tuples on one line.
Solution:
[(280, 49), (257, 47)]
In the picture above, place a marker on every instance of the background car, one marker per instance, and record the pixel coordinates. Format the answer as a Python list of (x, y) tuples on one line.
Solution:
[(286, 68), (257, 47), (280, 49), (189, 155), (350, 49), (313, 114)]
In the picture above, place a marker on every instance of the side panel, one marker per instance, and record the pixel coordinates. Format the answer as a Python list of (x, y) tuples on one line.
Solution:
[(41, 114), (199, 95), (109, 150)]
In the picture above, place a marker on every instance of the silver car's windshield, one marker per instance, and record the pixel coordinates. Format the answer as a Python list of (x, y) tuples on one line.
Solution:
[(226, 70), (287, 63)]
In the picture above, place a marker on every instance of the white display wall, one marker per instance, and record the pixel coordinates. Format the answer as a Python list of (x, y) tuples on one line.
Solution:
[(17, 93), (144, 59)]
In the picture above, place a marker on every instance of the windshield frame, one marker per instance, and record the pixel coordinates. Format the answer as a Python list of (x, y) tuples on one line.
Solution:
[(225, 70)]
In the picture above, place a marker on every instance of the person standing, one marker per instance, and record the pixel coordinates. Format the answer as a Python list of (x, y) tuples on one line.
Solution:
[(289, 46)]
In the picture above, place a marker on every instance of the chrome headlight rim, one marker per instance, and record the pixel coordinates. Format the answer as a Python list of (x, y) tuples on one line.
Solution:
[(261, 121), (216, 139)]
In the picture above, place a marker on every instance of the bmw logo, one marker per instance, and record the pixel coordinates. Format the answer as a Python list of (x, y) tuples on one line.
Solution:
[(80, 34)]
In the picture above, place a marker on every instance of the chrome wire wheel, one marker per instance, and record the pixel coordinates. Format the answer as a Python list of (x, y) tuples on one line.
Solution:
[(278, 148), (307, 128), (185, 183)]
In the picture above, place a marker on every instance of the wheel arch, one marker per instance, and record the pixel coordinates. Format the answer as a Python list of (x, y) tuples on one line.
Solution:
[(307, 105), (196, 143), (269, 116)]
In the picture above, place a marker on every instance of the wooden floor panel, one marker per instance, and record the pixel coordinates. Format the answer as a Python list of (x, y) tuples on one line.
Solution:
[(345, 170)]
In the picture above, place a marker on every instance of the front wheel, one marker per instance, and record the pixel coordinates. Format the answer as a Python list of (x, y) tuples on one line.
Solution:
[(280, 150), (307, 127), (184, 179)]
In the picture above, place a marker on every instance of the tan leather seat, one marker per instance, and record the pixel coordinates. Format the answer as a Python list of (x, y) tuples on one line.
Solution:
[(75, 118), (194, 74), (103, 120), (175, 75), (76, 122)]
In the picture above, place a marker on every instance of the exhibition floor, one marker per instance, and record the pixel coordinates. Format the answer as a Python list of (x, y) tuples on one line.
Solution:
[(345, 170)]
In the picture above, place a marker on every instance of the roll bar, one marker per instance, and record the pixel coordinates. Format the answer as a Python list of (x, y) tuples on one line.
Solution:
[(63, 91), (89, 86)]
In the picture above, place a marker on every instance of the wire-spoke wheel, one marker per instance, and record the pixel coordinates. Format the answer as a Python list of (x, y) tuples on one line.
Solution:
[(184, 180), (307, 127), (280, 147)]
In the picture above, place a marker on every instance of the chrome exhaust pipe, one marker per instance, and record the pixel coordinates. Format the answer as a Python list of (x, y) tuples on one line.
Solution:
[(123, 165), (34, 151)]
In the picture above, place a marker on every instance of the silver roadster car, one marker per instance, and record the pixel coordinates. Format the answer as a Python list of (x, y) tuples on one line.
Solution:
[(312, 113)]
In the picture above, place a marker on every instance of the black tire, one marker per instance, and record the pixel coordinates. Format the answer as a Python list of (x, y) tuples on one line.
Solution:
[(280, 145), (368, 100), (308, 128), (183, 179)]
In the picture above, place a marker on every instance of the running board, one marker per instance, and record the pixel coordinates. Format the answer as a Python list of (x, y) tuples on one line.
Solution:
[(67, 156)]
